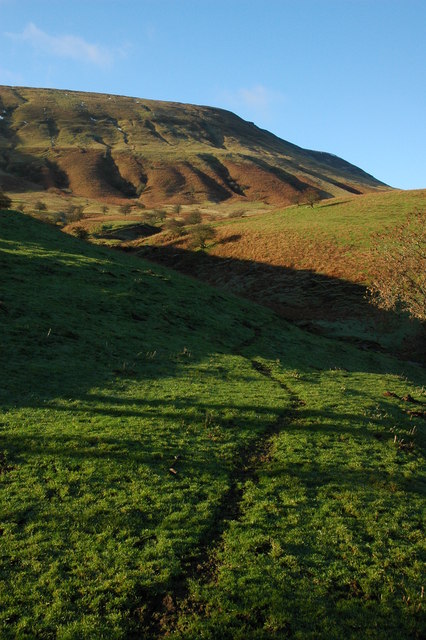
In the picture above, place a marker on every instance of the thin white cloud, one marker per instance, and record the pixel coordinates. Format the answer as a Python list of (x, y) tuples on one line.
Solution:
[(64, 46), (257, 99)]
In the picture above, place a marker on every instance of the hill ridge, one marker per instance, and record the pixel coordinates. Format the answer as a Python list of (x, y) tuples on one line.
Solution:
[(106, 146)]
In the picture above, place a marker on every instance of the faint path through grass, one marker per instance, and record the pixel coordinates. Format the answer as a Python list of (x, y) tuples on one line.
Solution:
[(167, 609)]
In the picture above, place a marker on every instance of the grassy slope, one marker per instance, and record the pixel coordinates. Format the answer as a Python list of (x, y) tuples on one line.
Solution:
[(331, 238), (296, 506), (311, 264)]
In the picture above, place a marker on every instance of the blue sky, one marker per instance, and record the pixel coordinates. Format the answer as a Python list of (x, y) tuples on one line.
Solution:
[(344, 76)]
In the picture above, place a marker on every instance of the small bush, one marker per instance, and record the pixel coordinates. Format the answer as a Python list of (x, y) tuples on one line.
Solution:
[(200, 233), (194, 217), (74, 213), (40, 206), (174, 227), (125, 209), (80, 232)]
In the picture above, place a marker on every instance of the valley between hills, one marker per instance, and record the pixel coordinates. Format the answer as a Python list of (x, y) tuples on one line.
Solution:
[(207, 429)]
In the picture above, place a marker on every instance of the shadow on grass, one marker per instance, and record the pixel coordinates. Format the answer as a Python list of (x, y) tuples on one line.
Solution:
[(233, 238), (318, 303), (128, 232), (74, 317), (148, 451)]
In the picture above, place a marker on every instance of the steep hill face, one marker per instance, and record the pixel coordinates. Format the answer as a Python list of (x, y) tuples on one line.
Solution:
[(106, 146)]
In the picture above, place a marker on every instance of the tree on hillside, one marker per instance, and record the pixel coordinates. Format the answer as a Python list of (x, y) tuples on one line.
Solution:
[(149, 217), (5, 201), (125, 209), (311, 197), (174, 228), (160, 214), (399, 257), (80, 232), (74, 213), (297, 198), (59, 217), (200, 233), (152, 217), (193, 217)]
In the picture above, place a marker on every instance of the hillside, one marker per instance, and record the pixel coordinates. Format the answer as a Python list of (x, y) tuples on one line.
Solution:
[(111, 147), (310, 264), (177, 462)]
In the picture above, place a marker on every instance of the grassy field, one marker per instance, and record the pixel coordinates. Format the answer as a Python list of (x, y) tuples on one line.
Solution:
[(179, 462)]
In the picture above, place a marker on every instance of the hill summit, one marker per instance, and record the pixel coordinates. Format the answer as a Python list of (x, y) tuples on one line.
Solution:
[(107, 146)]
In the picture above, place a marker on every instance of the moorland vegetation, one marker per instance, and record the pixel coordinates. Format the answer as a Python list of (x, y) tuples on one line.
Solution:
[(151, 152)]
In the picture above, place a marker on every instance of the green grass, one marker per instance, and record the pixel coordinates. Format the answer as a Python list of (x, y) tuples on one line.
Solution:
[(324, 547), (305, 518), (346, 221)]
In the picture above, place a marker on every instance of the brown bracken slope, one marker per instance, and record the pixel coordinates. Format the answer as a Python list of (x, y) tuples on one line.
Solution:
[(108, 147)]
